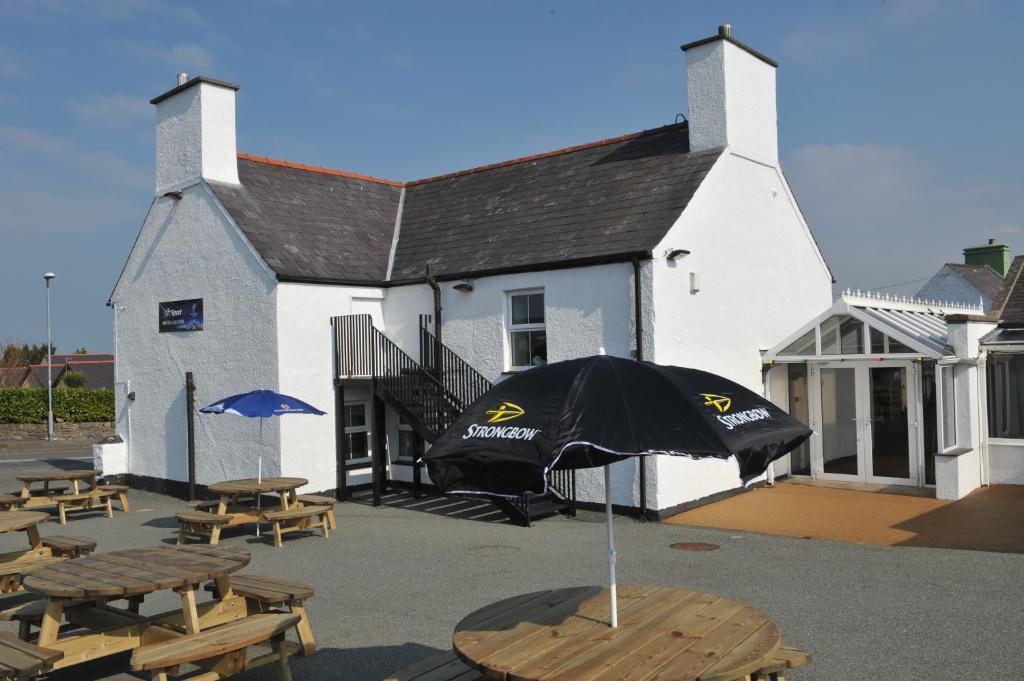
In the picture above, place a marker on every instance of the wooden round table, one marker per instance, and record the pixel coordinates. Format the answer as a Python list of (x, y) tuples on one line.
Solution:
[(13, 521), (134, 573), (254, 486), (664, 633)]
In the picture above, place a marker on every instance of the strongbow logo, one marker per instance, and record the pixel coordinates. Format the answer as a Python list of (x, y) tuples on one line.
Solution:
[(720, 403), (285, 407), (506, 411)]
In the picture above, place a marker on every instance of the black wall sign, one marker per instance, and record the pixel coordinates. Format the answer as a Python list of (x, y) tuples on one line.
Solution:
[(181, 315)]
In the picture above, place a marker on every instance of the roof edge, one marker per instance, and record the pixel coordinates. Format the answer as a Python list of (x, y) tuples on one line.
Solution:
[(549, 154), (189, 83), (318, 169), (729, 39)]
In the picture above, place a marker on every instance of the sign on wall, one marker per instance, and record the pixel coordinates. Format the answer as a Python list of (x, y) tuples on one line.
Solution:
[(181, 315)]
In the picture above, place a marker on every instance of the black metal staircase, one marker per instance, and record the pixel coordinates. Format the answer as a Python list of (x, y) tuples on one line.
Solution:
[(430, 395)]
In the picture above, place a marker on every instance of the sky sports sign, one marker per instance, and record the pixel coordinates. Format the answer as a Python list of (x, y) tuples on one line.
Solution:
[(181, 315)]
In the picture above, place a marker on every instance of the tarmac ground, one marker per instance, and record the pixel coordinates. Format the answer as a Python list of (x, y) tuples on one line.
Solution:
[(392, 582)]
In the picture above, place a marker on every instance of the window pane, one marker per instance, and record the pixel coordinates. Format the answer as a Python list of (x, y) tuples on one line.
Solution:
[(800, 347), (931, 438), (852, 333), (1006, 395), (948, 408), (799, 458), (520, 309), (830, 334), (538, 348), (536, 308), (521, 348), (355, 415), (896, 347), (407, 444), (357, 446), (877, 342)]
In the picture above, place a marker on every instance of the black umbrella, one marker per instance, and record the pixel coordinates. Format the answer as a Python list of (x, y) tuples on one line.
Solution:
[(594, 411)]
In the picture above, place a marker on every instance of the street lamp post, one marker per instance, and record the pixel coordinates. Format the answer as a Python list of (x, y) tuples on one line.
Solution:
[(49, 360)]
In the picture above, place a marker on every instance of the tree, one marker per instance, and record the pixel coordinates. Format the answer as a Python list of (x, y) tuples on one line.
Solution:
[(81, 351), (73, 379), (15, 355)]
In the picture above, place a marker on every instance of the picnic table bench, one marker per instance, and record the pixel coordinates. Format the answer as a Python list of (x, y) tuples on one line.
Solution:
[(663, 633), (83, 494), (41, 551), (213, 635)]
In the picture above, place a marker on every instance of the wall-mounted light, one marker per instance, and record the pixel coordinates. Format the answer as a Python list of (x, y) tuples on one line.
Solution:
[(673, 253), (463, 286), (173, 195)]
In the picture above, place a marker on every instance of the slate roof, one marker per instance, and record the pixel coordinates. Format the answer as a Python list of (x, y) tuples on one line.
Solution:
[(12, 377), (97, 374), (312, 224), (613, 198), (37, 374), (604, 200), (981, 277), (1011, 301)]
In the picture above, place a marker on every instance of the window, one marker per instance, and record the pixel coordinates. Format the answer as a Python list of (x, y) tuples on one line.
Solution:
[(842, 335), (357, 431), (1006, 395), (406, 440), (527, 336), (799, 408), (801, 347), (948, 406)]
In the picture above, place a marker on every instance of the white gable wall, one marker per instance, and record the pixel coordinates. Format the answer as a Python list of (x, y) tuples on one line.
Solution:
[(189, 248), (760, 276), (305, 345)]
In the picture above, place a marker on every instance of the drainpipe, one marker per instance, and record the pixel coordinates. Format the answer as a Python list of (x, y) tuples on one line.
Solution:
[(638, 329), (766, 370), (432, 282), (983, 418)]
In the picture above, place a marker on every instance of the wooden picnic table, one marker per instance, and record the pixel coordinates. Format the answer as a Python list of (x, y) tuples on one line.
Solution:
[(14, 563), (246, 512), (664, 633), (43, 497), (78, 590)]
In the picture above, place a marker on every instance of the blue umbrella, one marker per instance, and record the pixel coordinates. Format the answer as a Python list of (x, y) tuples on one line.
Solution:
[(260, 404)]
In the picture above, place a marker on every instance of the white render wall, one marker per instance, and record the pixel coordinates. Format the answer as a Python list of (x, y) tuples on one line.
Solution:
[(195, 137), (760, 276), (190, 249), (305, 365)]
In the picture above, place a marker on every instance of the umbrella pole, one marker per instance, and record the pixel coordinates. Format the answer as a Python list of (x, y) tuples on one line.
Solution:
[(611, 547), (259, 477)]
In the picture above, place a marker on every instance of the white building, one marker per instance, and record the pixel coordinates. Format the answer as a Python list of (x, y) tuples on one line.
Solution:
[(681, 244)]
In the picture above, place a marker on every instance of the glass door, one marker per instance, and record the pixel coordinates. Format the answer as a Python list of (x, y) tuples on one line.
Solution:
[(839, 445), (891, 442)]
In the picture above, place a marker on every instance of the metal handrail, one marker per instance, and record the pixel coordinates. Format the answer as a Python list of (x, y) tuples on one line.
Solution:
[(458, 377)]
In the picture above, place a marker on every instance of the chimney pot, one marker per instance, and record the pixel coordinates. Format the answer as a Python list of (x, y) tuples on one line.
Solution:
[(725, 30), (182, 78), (991, 241)]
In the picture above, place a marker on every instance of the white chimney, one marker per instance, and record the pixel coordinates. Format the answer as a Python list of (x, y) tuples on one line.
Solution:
[(195, 133), (730, 89)]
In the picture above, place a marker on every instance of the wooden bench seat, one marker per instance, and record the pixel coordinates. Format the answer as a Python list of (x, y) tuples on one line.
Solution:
[(267, 593), (14, 565), (447, 666), (321, 500), (11, 502), (221, 649), (200, 524), (22, 660), (203, 505), (69, 547), (84, 501), (121, 491), (298, 520)]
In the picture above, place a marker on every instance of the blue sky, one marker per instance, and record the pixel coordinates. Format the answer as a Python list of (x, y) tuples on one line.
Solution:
[(899, 120)]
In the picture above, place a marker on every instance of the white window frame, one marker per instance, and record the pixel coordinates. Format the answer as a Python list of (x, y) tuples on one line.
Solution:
[(400, 428), (365, 428), (513, 328)]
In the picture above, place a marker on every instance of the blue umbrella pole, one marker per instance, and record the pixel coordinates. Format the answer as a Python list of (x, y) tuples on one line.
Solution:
[(611, 546)]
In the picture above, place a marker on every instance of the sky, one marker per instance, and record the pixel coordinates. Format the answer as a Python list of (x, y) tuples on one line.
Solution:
[(899, 121)]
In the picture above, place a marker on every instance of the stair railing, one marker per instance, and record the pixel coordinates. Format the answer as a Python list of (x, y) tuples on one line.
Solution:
[(460, 380), (562, 484)]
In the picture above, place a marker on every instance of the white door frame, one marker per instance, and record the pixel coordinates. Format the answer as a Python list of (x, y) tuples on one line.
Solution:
[(862, 397)]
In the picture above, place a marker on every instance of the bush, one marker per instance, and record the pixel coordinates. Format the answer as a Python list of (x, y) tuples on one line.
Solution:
[(73, 379), (28, 405)]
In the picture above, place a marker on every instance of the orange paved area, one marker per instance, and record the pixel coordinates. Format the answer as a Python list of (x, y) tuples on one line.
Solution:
[(989, 519)]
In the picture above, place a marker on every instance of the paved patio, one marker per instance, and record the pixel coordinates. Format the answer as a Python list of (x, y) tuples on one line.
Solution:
[(392, 582), (989, 519)]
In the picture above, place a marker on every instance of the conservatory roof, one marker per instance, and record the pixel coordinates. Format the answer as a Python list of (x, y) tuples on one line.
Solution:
[(902, 327)]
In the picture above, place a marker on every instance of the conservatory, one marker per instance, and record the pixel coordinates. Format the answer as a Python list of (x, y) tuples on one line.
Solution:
[(878, 381)]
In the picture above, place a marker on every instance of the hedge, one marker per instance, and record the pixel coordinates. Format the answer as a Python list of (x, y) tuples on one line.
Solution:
[(77, 405)]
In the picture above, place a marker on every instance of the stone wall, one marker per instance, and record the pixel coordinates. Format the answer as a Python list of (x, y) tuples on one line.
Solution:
[(61, 431)]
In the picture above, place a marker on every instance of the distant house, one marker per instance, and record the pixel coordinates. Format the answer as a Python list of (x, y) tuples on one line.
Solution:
[(978, 278), (37, 373), (12, 377), (97, 368), (98, 373)]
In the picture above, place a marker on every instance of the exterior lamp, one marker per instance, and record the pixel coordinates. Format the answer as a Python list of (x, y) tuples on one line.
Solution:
[(673, 253), (463, 286), (49, 360)]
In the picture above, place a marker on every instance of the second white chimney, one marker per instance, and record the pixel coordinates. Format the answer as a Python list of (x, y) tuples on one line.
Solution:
[(730, 90), (195, 133)]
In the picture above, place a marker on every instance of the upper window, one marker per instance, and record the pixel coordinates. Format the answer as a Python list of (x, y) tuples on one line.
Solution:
[(527, 335), (1006, 395)]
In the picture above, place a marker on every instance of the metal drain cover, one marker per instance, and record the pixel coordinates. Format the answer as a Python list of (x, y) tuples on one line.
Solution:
[(694, 546)]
